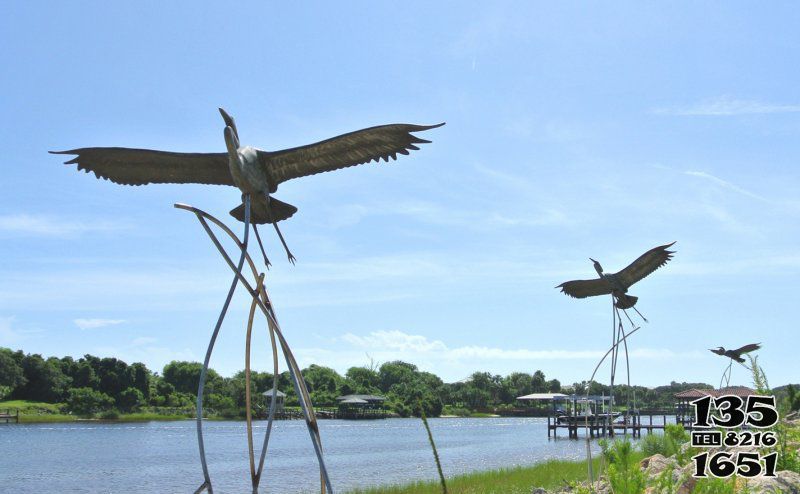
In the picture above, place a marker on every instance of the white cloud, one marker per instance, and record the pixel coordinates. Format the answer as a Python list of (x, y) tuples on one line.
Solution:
[(391, 345), (49, 226), (97, 323), (728, 106), (725, 184)]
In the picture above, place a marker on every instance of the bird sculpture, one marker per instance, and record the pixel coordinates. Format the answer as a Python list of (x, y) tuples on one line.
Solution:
[(254, 171), (737, 354), (617, 284)]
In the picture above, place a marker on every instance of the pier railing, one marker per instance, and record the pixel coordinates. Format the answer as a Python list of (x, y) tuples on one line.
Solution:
[(9, 414)]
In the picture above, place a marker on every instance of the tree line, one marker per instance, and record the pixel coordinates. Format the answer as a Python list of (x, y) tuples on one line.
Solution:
[(91, 385)]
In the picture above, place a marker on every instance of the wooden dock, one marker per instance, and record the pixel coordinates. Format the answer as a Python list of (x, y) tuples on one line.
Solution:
[(8, 415), (604, 425)]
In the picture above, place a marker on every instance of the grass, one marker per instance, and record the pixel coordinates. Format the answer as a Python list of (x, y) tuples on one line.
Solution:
[(32, 412), (519, 480)]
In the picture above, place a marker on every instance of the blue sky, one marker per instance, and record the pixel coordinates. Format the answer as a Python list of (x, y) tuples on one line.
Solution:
[(573, 130)]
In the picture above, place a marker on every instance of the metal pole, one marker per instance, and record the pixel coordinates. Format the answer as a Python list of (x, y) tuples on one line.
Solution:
[(201, 386)]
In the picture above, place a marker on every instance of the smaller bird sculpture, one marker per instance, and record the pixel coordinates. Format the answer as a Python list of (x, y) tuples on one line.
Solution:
[(736, 354), (617, 284)]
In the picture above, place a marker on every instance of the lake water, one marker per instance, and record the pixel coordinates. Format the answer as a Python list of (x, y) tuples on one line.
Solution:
[(158, 457)]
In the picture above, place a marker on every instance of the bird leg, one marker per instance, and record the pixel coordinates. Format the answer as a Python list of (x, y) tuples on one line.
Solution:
[(280, 235), (637, 311), (261, 246)]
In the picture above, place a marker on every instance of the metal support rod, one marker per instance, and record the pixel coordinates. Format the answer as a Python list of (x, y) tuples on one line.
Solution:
[(275, 374), (247, 385), (201, 386), (267, 309), (586, 418)]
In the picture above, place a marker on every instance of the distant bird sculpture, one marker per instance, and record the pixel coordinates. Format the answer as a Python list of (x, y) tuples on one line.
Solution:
[(734, 355), (617, 284), (737, 354), (252, 170)]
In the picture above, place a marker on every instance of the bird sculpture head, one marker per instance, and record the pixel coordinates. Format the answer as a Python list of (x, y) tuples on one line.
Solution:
[(719, 350), (229, 122), (597, 267)]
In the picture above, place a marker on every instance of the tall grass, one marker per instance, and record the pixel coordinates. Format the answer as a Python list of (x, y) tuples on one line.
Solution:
[(519, 480)]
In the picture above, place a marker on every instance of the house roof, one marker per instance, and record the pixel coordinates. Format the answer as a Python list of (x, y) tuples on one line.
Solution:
[(351, 401), (280, 393), (542, 396), (365, 398), (741, 391)]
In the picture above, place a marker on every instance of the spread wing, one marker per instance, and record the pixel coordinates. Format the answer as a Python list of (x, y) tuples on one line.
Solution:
[(144, 166), (355, 148), (645, 264), (748, 348), (585, 288)]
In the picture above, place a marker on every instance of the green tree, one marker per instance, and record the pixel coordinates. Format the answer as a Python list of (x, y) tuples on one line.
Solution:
[(140, 376), (11, 372), (323, 384), (45, 381), (185, 376), (538, 382), (395, 372), (364, 380)]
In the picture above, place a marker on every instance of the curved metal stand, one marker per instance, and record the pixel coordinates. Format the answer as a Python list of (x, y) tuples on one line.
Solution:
[(260, 299), (619, 337), (726, 376)]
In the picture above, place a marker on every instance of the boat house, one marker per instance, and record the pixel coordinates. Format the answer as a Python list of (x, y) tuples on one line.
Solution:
[(361, 407), (280, 399)]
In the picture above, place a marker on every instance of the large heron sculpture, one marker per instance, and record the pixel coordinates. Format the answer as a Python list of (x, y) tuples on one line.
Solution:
[(734, 355), (256, 174), (254, 171), (617, 284)]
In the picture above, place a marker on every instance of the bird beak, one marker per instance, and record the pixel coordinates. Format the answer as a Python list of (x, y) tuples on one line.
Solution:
[(592, 260), (230, 123), (225, 116)]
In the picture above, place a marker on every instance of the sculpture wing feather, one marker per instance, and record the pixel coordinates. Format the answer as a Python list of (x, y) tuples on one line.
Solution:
[(585, 288), (748, 348), (355, 148), (128, 166), (645, 264)]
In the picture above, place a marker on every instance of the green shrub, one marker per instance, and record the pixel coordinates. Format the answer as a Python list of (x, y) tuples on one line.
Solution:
[(623, 472), (86, 401), (110, 415)]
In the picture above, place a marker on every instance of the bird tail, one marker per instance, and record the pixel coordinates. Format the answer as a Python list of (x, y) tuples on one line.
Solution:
[(625, 301), (258, 213)]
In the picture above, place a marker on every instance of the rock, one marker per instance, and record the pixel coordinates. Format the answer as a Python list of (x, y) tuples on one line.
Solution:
[(538, 490), (784, 482), (654, 465)]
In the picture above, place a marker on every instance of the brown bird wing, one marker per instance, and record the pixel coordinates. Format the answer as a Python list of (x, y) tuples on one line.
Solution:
[(355, 148), (748, 348), (144, 166), (645, 264), (585, 288)]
